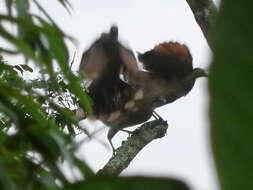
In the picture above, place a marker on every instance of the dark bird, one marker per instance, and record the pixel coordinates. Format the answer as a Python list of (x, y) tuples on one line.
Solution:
[(121, 103)]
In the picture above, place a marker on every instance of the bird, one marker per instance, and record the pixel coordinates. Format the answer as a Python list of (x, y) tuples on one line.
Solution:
[(123, 94)]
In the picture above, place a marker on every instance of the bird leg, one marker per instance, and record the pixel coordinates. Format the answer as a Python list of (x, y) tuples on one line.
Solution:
[(110, 141)]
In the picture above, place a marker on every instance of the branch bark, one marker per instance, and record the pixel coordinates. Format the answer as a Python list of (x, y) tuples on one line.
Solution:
[(205, 13), (130, 148)]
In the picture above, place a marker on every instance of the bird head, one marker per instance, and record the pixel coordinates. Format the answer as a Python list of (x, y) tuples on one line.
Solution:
[(198, 72)]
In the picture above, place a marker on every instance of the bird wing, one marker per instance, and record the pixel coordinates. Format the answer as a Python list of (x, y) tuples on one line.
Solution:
[(94, 61), (100, 57)]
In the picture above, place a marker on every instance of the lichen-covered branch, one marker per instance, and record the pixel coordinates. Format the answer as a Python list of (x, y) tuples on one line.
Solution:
[(204, 12), (130, 148)]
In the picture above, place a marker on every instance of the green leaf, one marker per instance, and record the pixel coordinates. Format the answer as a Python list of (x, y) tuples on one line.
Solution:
[(47, 179), (22, 7), (26, 68), (8, 51), (231, 93), (61, 143), (5, 181), (84, 168), (21, 45), (129, 183), (19, 68), (8, 111)]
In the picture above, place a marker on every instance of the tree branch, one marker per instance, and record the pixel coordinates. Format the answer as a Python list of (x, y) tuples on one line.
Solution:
[(204, 12), (130, 148)]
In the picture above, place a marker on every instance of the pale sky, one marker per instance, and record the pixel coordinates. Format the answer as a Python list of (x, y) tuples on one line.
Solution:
[(185, 151)]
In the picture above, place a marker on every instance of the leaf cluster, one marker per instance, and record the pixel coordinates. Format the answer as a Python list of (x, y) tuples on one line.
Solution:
[(37, 117)]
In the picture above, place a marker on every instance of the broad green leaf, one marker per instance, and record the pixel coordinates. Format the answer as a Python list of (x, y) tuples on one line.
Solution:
[(129, 183), (231, 95)]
